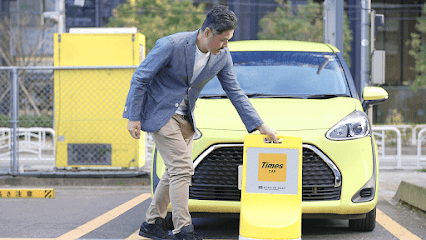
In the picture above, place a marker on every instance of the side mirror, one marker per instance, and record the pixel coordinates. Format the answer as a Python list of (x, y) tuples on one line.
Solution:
[(373, 95)]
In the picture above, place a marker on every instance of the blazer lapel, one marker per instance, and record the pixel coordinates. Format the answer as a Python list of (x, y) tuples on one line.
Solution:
[(190, 55), (206, 70)]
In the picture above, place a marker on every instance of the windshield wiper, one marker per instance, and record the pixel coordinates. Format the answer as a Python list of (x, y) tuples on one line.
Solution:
[(326, 96), (267, 95), (210, 96)]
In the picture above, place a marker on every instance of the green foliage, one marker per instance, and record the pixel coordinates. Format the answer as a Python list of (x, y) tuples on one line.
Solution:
[(158, 18), (305, 24), (27, 121), (418, 51), (4, 120), (394, 117)]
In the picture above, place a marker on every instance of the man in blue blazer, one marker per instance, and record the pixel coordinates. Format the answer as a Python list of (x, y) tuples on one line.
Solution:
[(161, 101)]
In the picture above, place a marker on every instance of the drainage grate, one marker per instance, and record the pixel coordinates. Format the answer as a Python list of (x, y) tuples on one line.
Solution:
[(89, 154)]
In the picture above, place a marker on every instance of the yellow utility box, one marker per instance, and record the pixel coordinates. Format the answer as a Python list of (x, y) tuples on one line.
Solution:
[(271, 194), (89, 102)]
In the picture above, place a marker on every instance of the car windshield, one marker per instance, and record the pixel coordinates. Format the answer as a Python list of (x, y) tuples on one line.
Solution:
[(285, 74)]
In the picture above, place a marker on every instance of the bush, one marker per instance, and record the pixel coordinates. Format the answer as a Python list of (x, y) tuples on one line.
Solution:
[(4, 120), (27, 121)]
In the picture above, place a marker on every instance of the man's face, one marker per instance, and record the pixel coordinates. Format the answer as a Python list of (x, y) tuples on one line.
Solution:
[(218, 42)]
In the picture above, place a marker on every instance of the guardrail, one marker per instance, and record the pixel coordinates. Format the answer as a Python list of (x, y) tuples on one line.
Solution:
[(419, 146), (413, 133), (381, 143), (32, 140), (406, 160)]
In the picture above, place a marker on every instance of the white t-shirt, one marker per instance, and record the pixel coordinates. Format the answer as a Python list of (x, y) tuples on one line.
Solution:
[(199, 64)]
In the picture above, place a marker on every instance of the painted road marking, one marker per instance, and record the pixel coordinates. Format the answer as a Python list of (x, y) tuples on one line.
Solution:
[(385, 221), (104, 218), (393, 227), (27, 193)]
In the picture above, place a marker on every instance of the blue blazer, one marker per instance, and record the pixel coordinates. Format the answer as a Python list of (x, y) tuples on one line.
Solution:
[(161, 81)]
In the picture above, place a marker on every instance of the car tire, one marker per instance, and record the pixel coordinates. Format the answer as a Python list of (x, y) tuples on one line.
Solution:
[(366, 224), (169, 221)]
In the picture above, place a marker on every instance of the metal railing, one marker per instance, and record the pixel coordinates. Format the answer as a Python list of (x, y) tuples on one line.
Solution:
[(419, 146), (414, 133), (380, 131), (32, 140), (412, 157)]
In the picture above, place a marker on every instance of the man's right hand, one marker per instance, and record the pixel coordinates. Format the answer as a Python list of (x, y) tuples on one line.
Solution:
[(134, 128)]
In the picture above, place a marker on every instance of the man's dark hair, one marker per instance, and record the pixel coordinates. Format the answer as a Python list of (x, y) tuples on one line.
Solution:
[(220, 19)]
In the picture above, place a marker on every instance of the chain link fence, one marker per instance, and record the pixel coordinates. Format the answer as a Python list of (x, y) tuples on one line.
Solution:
[(68, 120)]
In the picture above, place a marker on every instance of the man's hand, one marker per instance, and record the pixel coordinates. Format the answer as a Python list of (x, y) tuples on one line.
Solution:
[(134, 128), (263, 129)]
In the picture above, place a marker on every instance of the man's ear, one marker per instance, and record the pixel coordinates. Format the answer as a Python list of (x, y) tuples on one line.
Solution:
[(208, 32)]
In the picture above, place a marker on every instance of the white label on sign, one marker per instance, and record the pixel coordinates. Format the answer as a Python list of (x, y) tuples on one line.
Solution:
[(272, 170)]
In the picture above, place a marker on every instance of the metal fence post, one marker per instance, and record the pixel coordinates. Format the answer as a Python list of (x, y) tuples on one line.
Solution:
[(419, 146), (14, 120)]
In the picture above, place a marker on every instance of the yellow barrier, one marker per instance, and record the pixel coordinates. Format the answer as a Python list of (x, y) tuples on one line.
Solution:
[(271, 194), (27, 193)]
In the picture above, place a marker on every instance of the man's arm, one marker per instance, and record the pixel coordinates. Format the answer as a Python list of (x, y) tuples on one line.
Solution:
[(158, 57)]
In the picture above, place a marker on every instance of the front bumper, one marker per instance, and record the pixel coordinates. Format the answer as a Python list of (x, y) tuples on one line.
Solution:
[(355, 160)]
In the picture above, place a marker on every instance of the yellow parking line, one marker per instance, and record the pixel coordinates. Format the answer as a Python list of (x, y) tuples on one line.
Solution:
[(104, 218), (393, 227)]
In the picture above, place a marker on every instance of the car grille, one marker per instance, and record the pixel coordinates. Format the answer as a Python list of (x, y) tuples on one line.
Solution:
[(216, 177)]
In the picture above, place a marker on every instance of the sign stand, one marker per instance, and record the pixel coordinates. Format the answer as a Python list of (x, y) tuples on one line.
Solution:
[(271, 194)]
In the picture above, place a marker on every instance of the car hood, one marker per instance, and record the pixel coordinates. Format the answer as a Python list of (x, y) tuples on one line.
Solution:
[(279, 113)]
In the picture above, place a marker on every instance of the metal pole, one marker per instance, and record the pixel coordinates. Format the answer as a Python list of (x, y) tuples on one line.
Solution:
[(365, 41), (60, 7), (15, 121), (339, 24), (97, 22), (354, 14)]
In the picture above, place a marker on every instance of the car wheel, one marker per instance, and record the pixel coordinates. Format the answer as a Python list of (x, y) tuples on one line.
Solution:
[(365, 224), (169, 221)]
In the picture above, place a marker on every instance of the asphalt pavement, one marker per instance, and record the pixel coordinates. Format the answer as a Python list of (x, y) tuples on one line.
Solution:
[(113, 208)]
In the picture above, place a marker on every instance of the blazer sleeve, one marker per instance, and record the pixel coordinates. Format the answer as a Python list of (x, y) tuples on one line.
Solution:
[(157, 58), (239, 99)]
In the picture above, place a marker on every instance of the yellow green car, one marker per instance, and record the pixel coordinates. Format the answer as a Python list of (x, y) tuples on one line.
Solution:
[(301, 89)]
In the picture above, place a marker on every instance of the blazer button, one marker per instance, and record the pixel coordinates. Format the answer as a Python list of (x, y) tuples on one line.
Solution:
[(176, 104)]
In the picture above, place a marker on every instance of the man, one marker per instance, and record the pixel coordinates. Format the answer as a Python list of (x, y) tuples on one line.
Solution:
[(161, 101)]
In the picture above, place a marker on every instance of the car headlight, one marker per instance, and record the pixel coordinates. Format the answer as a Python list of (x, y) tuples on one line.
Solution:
[(197, 134), (355, 125)]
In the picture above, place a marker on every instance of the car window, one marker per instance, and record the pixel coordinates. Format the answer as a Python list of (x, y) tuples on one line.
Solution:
[(278, 73)]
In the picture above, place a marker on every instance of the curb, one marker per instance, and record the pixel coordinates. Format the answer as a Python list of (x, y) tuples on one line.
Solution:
[(40, 181), (412, 194)]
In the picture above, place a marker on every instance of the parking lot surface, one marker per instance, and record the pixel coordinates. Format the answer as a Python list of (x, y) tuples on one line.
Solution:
[(116, 212)]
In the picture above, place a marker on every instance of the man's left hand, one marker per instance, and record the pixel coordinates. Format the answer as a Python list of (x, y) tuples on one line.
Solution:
[(263, 129)]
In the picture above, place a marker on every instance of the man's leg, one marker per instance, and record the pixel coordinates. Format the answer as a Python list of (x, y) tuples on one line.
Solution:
[(174, 142), (160, 202)]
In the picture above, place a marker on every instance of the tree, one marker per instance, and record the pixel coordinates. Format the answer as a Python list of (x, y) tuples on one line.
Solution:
[(304, 23), (158, 18), (418, 51), (23, 42)]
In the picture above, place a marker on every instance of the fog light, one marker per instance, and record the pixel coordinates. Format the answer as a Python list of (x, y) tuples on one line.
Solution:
[(366, 192)]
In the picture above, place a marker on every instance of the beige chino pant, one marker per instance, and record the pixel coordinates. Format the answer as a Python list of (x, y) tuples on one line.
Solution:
[(174, 142)]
